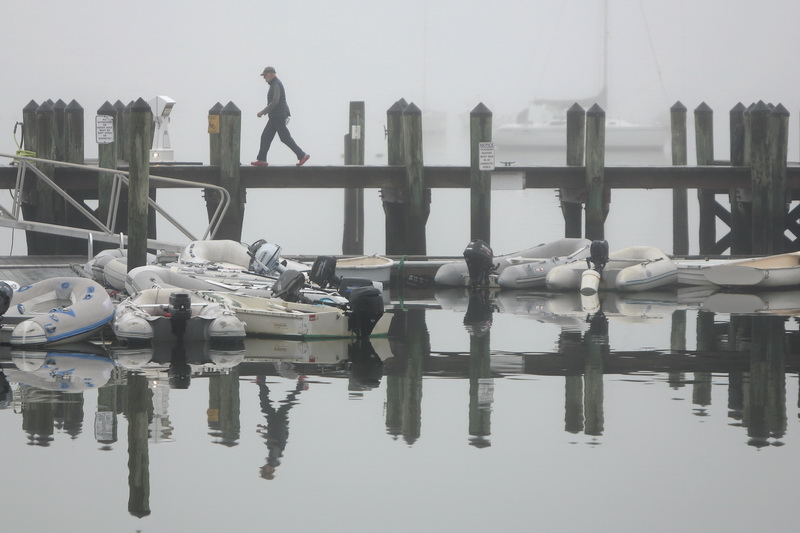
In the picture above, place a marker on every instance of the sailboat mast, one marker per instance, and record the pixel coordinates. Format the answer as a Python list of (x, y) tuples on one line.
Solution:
[(603, 98)]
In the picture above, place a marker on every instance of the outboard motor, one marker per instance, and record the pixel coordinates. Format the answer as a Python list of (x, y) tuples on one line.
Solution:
[(366, 308), (479, 258), (266, 258), (180, 311), (287, 286), (598, 255), (323, 271), (348, 285), (6, 294)]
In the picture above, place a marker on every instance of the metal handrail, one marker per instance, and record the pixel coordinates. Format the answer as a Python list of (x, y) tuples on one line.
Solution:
[(119, 177)]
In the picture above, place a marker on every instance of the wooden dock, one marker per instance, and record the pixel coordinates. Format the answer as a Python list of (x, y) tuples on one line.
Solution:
[(750, 192)]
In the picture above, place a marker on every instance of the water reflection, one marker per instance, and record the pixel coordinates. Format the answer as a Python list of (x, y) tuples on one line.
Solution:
[(751, 353)]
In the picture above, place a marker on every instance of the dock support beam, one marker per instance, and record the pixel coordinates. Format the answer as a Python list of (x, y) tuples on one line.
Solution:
[(353, 235), (680, 204), (141, 120), (480, 130), (597, 198)]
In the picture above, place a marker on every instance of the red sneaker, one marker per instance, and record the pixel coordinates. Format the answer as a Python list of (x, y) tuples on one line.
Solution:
[(303, 160), (257, 163)]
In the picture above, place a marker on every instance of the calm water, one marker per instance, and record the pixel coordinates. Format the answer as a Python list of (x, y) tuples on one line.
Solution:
[(656, 415)]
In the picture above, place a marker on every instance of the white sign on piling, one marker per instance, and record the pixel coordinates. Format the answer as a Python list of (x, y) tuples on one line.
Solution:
[(486, 156), (104, 129)]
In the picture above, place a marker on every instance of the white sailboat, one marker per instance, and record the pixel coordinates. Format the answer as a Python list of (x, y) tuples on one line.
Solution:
[(539, 135)]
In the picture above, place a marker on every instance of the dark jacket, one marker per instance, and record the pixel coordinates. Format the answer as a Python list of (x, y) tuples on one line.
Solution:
[(276, 100)]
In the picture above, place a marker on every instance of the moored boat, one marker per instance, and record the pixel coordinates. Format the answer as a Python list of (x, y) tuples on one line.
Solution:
[(372, 267), (276, 317), (774, 271), (159, 314), (57, 311), (526, 268), (636, 268)]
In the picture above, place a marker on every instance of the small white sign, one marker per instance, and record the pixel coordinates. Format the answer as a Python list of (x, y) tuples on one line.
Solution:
[(104, 129), (486, 156), (355, 132)]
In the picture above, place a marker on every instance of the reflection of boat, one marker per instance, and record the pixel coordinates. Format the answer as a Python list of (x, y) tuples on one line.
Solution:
[(782, 270), (58, 310), (524, 269), (154, 314), (67, 371), (636, 268), (280, 318), (318, 351), (767, 302)]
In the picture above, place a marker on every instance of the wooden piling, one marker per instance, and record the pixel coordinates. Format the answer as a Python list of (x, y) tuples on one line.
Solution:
[(680, 205), (72, 146), (353, 232), (73, 133), (779, 146), (120, 131), (704, 146), (229, 165), (140, 118), (760, 177), (740, 199), (596, 194), (570, 198), (107, 154), (59, 112), (42, 196), (416, 212), (480, 130), (212, 196), (394, 199)]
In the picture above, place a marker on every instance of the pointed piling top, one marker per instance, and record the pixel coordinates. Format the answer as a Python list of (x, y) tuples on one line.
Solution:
[(412, 109), (140, 106), (760, 107), (480, 110), (596, 111), (74, 107), (703, 108), (738, 109), (45, 107), (215, 109), (230, 109), (120, 106), (107, 109), (32, 106), (397, 108), (59, 106), (575, 108), (678, 107), (780, 110)]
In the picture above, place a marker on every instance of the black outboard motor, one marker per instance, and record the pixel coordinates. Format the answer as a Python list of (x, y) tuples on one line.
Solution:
[(323, 271), (479, 258), (180, 311), (598, 255), (347, 285), (287, 286), (366, 308), (6, 294)]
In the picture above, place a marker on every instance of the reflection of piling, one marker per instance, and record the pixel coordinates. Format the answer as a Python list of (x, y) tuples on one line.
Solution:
[(597, 347), (766, 412), (481, 390), (677, 344), (410, 346), (38, 421), (223, 408), (139, 412)]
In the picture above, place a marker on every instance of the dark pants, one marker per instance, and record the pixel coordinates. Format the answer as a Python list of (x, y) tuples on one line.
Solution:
[(277, 125)]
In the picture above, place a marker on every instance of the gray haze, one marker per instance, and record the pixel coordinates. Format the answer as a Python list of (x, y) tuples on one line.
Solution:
[(446, 56)]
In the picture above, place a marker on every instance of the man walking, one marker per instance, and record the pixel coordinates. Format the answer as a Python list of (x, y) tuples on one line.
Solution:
[(278, 112)]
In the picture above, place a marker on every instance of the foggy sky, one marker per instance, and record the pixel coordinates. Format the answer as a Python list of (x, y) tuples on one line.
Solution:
[(443, 55)]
